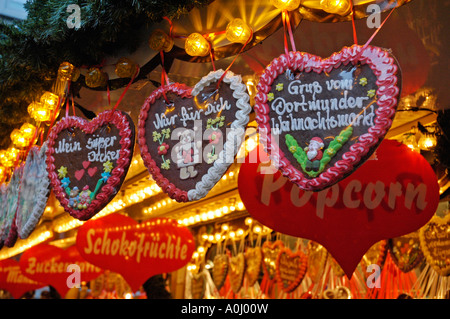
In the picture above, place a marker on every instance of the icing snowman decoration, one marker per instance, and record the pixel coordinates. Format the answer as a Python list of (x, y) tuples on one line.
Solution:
[(314, 153)]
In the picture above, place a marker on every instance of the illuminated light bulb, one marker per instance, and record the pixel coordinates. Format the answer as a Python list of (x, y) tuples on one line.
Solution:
[(427, 142), (18, 139), (340, 7), (128, 295), (12, 154), (2, 174), (28, 130), (248, 221), (240, 205), (238, 31), (49, 100), (240, 232), (217, 236), (211, 238), (196, 45), (191, 220), (195, 255), (231, 174), (201, 249), (210, 214), (197, 218), (287, 5), (225, 227), (159, 40), (257, 229), (224, 209), (232, 234)]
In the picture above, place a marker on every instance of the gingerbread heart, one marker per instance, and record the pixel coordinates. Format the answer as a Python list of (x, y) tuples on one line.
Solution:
[(107, 143), (405, 251), (220, 270), (253, 261), (290, 269), (198, 285), (34, 191), (340, 292), (317, 259), (435, 244), (319, 119), (189, 137), (236, 272), (270, 253), (8, 229)]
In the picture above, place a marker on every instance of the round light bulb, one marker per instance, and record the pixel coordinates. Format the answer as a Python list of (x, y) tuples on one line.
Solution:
[(49, 100), (238, 31), (196, 45), (340, 7), (288, 5)]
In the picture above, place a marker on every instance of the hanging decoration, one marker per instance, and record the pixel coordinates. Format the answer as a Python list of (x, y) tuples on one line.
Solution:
[(34, 191), (13, 280), (87, 161), (290, 269), (8, 229), (189, 137), (435, 244), (49, 264), (136, 251), (357, 212), (253, 263), (237, 272), (319, 119), (405, 251)]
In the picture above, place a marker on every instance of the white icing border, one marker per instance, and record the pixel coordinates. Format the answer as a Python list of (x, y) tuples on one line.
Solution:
[(41, 196), (235, 136)]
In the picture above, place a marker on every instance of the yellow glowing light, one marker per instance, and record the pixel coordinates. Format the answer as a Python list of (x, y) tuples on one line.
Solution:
[(28, 130), (19, 139), (49, 100), (159, 40), (287, 5), (240, 205), (340, 7), (238, 31), (2, 174), (196, 45), (128, 296), (427, 142)]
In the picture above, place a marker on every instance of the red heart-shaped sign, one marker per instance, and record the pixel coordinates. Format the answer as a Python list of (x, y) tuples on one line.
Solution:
[(319, 119), (107, 143), (189, 137), (394, 193), (12, 279), (50, 264), (136, 251)]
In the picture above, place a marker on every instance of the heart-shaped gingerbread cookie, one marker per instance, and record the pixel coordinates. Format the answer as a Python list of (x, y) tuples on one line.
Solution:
[(270, 252), (319, 119), (405, 251), (198, 285), (317, 259), (87, 161), (435, 244), (253, 260), (34, 191), (236, 272), (220, 270), (290, 269), (189, 137)]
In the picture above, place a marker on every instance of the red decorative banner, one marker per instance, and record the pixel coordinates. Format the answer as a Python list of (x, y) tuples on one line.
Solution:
[(13, 280), (49, 264), (136, 251), (392, 194)]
